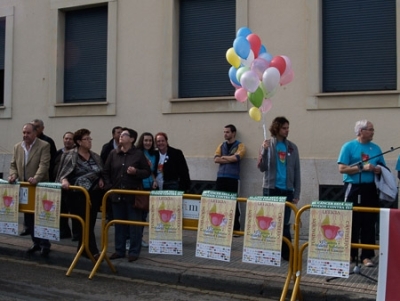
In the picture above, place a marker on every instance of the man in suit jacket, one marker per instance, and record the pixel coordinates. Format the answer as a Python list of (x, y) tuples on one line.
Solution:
[(30, 163)]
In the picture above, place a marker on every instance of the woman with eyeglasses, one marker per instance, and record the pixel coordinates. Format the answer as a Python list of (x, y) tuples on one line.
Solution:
[(125, 168), (82, 167)]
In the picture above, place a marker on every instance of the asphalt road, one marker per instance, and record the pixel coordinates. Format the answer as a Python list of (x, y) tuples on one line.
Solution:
[(33, 281)]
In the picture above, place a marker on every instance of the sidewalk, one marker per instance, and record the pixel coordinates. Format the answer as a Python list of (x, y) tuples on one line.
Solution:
[(234, 276)]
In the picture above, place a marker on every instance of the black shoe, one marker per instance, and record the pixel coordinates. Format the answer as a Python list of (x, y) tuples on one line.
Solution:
[(44, 252), (25, 232), (65, 235), (75, 238), (33, 249), (116, 256)]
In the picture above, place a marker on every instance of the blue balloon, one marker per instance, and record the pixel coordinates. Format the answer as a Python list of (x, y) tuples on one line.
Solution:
[(232, 76), (241, 47), (266, 56), (243, 32), (263, 49)]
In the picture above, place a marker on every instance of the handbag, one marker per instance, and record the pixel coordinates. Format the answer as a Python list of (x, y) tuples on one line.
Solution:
[(141, 201)]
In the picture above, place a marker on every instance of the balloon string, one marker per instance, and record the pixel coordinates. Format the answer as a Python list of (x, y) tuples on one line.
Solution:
[(264, 127)]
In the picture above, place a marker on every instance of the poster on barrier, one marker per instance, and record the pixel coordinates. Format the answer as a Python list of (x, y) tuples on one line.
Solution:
[(330, 239), (264, 228), (165, 222), (47, 211), (214, 234), (9, 208)]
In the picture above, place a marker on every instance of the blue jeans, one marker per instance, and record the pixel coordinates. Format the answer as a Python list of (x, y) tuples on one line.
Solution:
[(124, 210), (286, 220)]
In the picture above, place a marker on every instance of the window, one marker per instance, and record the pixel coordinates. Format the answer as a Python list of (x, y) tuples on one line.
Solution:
[(359, 45), (85, 65), (6, 59), (2, 54), (207, 29)]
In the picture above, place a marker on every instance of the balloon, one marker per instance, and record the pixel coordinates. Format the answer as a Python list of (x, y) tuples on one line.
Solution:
[(241, 95), (255, 114), (271, 78), (234, 85), (232, 57), (243, 32), (279, 63), (242, 47), (259, 66), (249, 80), (266, 56), (232, 76), (255, 43), (271, 93), (240, 72), (250, 58), (288, 65), (266, 105), (285, 79), (263, 49), (256, 98)]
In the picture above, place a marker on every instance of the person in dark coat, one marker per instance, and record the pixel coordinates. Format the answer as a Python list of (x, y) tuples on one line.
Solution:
[(172, 171)]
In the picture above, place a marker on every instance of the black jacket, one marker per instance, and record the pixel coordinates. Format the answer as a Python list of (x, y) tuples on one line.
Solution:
[(53, 154), (106, 150), (115, 170), (175, 168)]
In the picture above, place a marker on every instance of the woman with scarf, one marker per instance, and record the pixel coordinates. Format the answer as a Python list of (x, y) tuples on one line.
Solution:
[(82, 167)]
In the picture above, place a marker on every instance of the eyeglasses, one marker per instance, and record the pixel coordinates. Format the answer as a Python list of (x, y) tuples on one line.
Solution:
[(125, 134), (88, 139), (370, 129)]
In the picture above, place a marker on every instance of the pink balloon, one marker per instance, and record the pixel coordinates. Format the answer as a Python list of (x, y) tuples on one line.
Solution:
[(255, 43), (241, 95), (287, 78), (259, 66), (288, 65), (266, 106), (250, 81)]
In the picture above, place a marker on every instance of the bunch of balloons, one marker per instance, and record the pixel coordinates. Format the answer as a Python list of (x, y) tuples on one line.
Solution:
[(255, 73)]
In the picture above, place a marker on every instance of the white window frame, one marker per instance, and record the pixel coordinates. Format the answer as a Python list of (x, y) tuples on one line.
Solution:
[(57, 107), (6, 108)]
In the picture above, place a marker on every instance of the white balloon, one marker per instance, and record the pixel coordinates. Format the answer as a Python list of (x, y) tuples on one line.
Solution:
[(250, 58), (271, 78)]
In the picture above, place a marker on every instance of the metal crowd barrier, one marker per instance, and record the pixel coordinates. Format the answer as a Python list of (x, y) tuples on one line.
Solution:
[(298, 250), (188, 224), (30, 208)]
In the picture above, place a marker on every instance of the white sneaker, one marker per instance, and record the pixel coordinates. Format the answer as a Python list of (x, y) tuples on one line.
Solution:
[(128, 245), (144, 244)]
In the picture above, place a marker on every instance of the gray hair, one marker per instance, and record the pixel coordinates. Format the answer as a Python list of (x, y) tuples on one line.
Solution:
[(360, 125)]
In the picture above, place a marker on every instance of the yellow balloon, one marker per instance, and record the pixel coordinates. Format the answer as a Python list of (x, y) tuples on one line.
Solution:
[(232, 57), (255, 114)]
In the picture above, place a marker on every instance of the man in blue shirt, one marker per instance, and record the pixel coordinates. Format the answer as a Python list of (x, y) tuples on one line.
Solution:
[(359, 184)]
